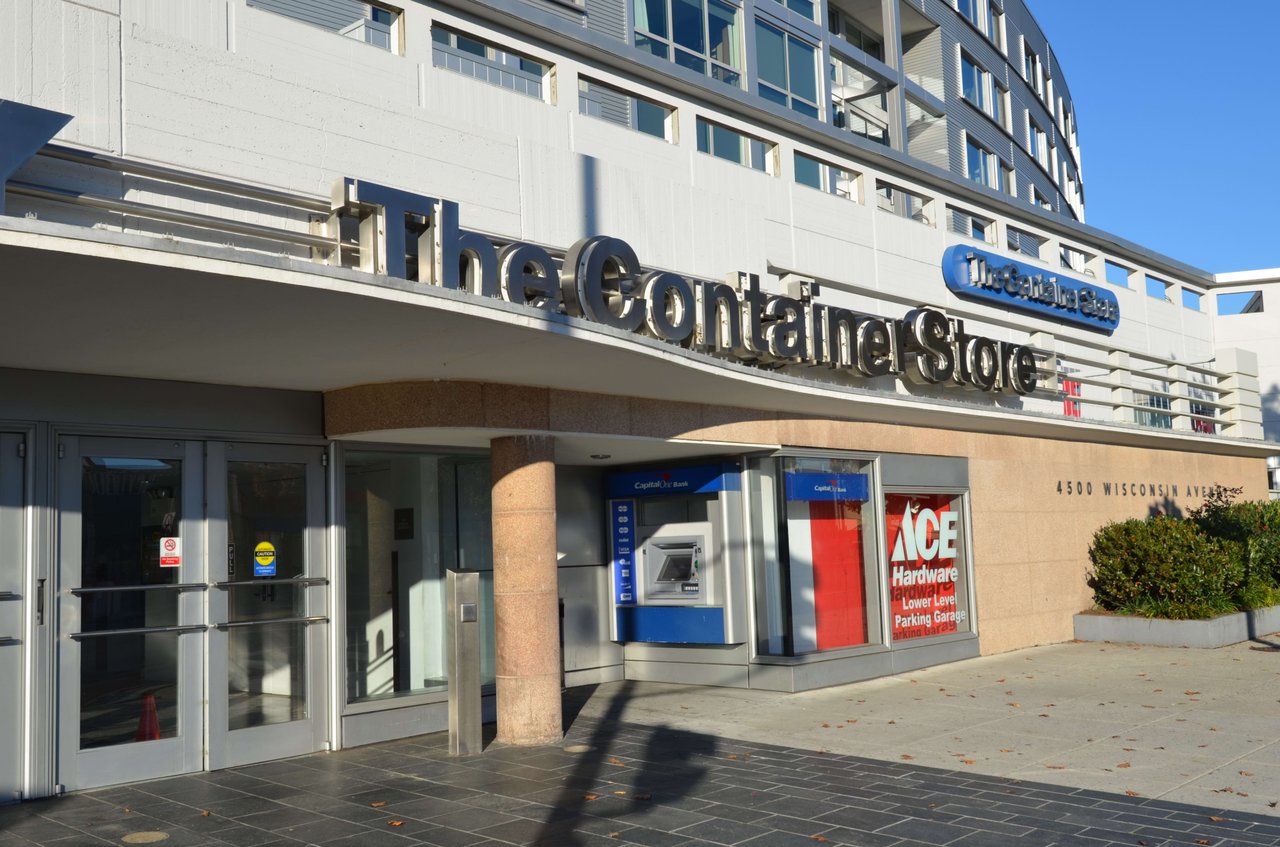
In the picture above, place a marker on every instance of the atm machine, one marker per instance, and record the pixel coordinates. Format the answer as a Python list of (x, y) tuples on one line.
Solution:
[(678, 555)]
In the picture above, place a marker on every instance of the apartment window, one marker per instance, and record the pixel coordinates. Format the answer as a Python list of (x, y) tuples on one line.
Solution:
[(995, 26), (1023, 242), (1240, 303), (981, 165), (702, 35), (801, 7), (786, 67), (1037, 143), (980, 88), (1072, 259), (1038, 199), (488, 62), (1117, 274), (371, 23), (734, 146), (1157, 288), (1157, 412), (1031, 71), (973, 226), (1191, 299), (608, 103), (899, 201), (859, 101), (825, 177), (851, 31), (999, 103)]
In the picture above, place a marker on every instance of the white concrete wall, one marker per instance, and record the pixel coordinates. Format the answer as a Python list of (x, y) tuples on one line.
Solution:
[(220, 87)]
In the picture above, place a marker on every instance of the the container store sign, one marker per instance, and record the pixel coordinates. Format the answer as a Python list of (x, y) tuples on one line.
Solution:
[(924, 565), (984, 276)]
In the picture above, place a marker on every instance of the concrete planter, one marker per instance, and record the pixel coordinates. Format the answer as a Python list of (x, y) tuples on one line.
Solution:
[(1215, 632)]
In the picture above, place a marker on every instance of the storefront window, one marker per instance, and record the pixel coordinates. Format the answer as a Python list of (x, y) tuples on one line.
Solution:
[(928, 573), (410, 517), (814, 549)]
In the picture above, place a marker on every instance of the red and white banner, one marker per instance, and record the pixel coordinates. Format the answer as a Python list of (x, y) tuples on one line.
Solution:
[(923, 536)]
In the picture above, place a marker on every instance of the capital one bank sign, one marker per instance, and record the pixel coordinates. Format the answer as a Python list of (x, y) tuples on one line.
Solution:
[(601, 280)]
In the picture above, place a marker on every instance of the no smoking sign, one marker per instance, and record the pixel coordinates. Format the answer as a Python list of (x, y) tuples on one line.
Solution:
[(170, 552)]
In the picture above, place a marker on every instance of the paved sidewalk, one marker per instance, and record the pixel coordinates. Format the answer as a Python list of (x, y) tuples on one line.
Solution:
[(943, 756)]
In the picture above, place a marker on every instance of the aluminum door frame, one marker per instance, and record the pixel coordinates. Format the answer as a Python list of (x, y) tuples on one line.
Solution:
[(16, 642), (225, 747), (130, 762)]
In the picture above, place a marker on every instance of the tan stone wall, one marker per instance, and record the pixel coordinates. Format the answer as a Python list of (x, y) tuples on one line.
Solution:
[(1030, 541)]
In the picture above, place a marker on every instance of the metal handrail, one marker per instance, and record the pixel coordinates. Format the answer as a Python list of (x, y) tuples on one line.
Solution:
[(213, 183), (160, 213), (302, 580), (177, 586), (8, 639), (10, 595), (304, 620), (142, 630)]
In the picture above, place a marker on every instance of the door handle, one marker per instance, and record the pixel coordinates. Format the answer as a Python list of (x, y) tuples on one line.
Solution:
[(40, 602)]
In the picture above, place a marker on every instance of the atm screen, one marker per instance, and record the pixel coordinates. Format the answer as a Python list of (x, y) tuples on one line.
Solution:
[(678, 567)]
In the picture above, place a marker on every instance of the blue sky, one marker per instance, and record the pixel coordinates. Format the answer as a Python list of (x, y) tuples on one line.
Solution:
[(1179, 119)]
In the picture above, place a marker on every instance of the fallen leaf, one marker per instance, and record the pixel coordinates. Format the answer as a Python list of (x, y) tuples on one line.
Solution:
[(819, 837), (395, 823), (1242, 793), (1056, 767), (907, 757), (1124, 765), (378, 804), (614, 760), (1001, 679), (968, 762), (1245, 773), (1005, 750), (614, 834), (826, 725), (1189, 693), (1216, 818), (1127, 749), (590, 796), (1016, 705), (731, 756), (204, 813), (892, 721), (1203, 841), (1133, 794), (851, 720)]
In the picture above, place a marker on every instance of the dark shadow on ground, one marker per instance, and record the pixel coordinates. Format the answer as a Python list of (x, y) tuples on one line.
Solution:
[(606, 786)]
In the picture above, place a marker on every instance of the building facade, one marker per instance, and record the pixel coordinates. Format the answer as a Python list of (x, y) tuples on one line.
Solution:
[(736, 343)]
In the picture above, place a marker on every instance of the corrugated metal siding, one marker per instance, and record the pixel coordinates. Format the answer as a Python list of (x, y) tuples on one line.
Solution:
[(607, 103), (608, 17), (573, 16), (330, 14)]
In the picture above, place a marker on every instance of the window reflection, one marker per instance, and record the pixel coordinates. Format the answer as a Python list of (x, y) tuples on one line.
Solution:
[(411, 517)]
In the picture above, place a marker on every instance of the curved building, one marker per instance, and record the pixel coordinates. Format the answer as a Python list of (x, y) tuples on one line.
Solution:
[(734, 342)]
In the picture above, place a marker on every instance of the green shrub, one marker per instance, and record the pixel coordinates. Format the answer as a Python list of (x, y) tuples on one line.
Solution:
[(1254, 526), (1165, 567)]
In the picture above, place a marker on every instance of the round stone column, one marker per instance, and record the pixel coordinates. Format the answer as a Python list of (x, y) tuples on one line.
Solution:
[(526, 602)]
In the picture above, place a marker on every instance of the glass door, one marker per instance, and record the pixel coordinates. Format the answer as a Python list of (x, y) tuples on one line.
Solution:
[(130, 610), (268, 603), (12, 617)]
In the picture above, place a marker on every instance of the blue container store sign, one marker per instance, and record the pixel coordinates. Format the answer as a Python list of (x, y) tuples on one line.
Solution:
[(979, 275)]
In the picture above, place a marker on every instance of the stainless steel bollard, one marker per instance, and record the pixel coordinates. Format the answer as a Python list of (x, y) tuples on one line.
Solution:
[(463, 609)]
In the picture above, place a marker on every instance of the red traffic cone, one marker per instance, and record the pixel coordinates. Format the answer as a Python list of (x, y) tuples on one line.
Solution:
[(149, 721)]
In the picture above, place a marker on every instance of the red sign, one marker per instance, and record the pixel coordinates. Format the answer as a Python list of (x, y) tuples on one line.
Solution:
[(923, 535)]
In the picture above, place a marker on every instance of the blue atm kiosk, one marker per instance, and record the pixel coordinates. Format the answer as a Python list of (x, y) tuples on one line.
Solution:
[(677, 576)]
